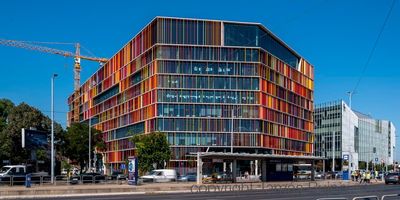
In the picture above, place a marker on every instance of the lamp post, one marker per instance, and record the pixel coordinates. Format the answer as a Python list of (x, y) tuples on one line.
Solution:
[(333, 151), (52, 128), (90, 145), (350, 94)]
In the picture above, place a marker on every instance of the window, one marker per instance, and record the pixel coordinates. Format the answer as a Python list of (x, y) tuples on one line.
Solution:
[(255, 36)]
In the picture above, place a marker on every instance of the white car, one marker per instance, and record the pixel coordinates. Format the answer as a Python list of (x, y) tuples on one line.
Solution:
[(160, 175), (303, 174)]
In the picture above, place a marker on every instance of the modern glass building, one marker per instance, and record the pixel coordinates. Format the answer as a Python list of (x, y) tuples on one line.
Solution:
[(376, 139), (358, 135), (198, 81)]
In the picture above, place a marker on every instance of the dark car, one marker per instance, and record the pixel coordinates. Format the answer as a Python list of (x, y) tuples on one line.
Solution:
[(392, 178), (118, 176), (87, 178), (191, 176)]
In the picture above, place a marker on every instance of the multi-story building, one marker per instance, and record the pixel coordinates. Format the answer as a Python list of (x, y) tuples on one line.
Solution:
[(357, 135), (193, 79)]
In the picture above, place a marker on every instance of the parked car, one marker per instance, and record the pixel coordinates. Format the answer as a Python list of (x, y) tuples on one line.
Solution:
[(302, 174), (17, 172), (393, 177), (191, 176), (319, 175), (87, 178), (160, 175), (118, 176)]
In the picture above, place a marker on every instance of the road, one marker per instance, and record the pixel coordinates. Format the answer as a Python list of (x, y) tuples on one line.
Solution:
[(348, 192)]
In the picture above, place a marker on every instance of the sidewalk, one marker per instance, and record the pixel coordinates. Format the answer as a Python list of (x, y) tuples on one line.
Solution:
[(114, 189)]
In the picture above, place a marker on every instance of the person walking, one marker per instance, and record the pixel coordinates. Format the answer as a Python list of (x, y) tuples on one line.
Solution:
[(362, 177), (376, 176), (368, 177), (353, 175)]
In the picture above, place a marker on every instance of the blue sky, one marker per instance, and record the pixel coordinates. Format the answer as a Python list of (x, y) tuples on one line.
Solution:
[(336, 36)]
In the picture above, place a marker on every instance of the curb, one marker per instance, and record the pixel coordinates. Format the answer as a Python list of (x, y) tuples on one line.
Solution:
[(91, 194), (104, 191)]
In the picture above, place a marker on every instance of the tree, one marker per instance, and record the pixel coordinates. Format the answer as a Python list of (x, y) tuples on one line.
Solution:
[(76, 142), (152, 149), (5, 106), (18, 117)]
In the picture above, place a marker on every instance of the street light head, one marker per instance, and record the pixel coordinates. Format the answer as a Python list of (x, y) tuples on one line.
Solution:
[(55, 75)]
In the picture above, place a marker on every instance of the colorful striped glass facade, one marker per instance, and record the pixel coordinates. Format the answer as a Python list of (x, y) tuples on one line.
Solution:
[(185, 77)]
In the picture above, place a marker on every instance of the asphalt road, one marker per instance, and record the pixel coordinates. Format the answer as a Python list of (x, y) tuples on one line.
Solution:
[(348, 192)]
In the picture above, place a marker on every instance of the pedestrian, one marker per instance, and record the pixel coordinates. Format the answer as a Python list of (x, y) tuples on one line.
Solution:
[(215, 177), (368, 177), (358, 175), (353, 175), (376, 176), (362, 178)]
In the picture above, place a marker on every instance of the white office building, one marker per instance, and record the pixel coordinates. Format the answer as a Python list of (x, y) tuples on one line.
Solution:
[(358, 137)]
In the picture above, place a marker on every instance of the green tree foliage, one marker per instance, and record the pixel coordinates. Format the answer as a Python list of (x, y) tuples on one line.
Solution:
[(23, 116), (5, 106), (152, 149), (76, 142)]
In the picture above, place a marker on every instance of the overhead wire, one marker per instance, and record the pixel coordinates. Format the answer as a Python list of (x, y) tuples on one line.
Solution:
[(374, 46)]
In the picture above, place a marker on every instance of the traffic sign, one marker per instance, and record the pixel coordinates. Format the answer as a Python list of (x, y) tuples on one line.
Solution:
[(376, 159), (346, 157)]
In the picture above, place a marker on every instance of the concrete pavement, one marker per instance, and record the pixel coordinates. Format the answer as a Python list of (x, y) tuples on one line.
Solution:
[(48, 191)]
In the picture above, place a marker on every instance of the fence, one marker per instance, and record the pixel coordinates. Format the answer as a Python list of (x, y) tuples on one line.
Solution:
[(63, 180)]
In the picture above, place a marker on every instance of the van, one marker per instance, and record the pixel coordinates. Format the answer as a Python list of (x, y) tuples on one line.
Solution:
[(18, 172), (160, 175)]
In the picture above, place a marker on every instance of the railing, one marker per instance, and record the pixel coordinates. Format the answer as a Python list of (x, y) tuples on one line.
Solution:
[(63, 180), (388, 196), (366, 198)]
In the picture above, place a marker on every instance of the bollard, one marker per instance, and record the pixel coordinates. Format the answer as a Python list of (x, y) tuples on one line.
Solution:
[(28, 180)]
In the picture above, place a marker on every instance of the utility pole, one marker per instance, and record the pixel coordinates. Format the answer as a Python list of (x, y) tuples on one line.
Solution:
[(90, 145), (333, 151), (350, 94), (52, 128)]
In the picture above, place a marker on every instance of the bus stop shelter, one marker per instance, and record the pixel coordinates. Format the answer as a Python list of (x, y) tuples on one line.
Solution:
[(268, 161)]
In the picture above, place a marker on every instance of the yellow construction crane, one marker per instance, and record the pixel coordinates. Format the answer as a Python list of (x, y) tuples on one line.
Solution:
[(77, 67), (77, 56)]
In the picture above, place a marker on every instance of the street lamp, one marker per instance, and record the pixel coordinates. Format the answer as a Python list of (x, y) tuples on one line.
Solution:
[(90, 144), (350, 94), (52, 127)]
